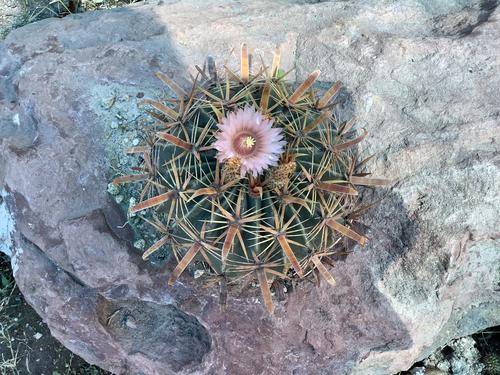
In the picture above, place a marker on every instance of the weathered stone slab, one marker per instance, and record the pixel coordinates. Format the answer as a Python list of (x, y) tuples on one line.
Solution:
[(424, 81)]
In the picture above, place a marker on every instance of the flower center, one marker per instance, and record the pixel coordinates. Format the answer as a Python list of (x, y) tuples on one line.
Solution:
[(245, 143), (248, 142)]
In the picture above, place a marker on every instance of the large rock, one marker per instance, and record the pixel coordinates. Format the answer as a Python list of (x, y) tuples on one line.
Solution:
[(424, 80)]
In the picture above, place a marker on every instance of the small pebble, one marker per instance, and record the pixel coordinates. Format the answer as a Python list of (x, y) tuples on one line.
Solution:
[(140, 244), (37, 336), (131, 203), (113, 189), (119, 199), (198, 273), (130, 322), (108, 102), (135, 142), (114, 125)]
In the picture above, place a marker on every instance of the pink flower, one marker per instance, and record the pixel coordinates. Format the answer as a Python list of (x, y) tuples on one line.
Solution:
[(247, 135)]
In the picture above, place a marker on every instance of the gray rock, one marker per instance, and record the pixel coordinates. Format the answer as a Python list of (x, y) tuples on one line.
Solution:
[(424, 81), (16, 13)]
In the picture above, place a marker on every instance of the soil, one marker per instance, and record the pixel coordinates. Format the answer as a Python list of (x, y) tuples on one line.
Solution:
[(26, 345)]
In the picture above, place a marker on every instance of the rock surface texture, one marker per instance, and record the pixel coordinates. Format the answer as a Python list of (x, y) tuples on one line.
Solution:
[(424, 78)]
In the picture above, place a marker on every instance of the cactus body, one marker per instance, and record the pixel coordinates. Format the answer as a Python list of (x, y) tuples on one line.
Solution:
[(279, 223)]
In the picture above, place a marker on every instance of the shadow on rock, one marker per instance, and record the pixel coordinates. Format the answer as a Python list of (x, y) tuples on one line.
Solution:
[(156, 331)]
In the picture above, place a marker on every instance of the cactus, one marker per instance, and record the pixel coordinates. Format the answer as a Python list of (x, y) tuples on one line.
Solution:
[(269, 202), (491, 363)]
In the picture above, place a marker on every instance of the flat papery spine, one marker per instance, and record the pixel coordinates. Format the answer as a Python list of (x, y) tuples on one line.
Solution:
[(336, 188), (130, 178), (276, 62), (175, 140), (332, 223), (152, 202), (369, 181), (265, 290), (138, 150), (157, 245), (264, 100), (290, 255), (167, 111), (181, 266), (245, 68), (328, 95), (173, 86), (346, 145), (299, 92), (323, 271), (228, 242), (322, 117)]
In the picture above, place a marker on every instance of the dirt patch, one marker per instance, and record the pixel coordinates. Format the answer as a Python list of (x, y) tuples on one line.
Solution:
[(26, 345)]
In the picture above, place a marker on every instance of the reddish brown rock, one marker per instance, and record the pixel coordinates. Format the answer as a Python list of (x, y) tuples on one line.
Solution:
[(423, 81)]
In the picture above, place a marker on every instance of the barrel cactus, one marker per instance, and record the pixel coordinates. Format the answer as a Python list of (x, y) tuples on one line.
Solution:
[(252, 177)]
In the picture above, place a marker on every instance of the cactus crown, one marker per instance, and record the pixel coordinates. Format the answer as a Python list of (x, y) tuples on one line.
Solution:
[(249, 176)]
